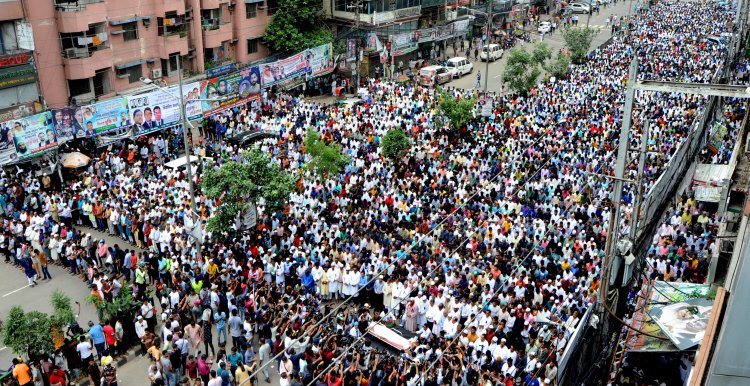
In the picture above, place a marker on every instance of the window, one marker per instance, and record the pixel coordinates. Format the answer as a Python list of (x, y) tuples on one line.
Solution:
[(251, 10), (79, 86), (9, 41), (131, 31), (133, 73), (169, 66), (101, 82), (252, 46), (171, 24)]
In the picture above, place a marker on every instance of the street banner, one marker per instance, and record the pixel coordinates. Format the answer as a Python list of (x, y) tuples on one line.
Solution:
[(33, 135), (426, 35), (191, 92), (230, 90), (66, 126), (373, 42), (351, 50), (153, 111), (289, 68), (402, 44), (321, 60), (103, 117)]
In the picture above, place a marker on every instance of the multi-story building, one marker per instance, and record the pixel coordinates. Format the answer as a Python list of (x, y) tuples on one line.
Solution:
[(19, 94), (94, 49)]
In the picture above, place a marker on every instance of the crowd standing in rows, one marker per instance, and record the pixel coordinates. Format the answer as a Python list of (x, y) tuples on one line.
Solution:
[(485, 244)]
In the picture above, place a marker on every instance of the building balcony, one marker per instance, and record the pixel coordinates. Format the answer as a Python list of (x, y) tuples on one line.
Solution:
[(174, 43), (76, 17), (82, 63), (379, 18), (214, 32), (213, 4), (165, 6), (11, 10)]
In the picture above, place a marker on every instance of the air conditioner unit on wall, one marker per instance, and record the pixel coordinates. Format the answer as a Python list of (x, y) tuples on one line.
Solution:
[(156, 73)]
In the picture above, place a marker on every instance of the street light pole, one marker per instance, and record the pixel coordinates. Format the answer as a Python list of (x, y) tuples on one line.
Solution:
[(188, 166)]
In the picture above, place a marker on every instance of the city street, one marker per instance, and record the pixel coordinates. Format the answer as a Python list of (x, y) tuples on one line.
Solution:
[(554, 40)]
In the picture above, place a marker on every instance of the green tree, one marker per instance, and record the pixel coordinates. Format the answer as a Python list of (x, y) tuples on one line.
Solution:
[(559, 66), (296, 25), (522, 70), (457, 112), (541, 53), (235, 184), (578, 40), (28, 333), (395, 144), (325, 158), (122, 305), (62, 308)]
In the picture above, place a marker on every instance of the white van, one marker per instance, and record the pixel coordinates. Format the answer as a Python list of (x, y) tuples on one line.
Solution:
[(491, 52), (459, 66), (434, 75)]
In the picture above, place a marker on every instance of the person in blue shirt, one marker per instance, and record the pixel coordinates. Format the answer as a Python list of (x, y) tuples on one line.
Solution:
[(96, 333), (223, 374), (234, 358), (221, 327)]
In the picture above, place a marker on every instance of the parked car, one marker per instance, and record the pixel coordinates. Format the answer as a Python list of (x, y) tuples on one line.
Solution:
[(491, 52), (544, 27), (579, 8), (434, 75), (459, 66)]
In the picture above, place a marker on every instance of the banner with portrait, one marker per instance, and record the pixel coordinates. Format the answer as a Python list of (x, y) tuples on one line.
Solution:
[(191, 92), (321, 60), (33, 135), (66, 125), (281, 70), (153, 111), (220, 93), (402, 44), (103, 117)]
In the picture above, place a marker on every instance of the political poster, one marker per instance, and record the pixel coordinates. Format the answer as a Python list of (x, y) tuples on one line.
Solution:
[(102, 117), (220, 93), (321, 60), (191, 92), (33, 135), (153, 111), (289, 68), (250, 82), (66, 125), (402, 44)]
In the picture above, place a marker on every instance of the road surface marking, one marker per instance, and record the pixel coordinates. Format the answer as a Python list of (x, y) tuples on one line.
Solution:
[(1, 349), (497, 76), (12, 292)]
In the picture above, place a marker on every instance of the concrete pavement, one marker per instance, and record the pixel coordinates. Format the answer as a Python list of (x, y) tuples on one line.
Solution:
[(554, 40)]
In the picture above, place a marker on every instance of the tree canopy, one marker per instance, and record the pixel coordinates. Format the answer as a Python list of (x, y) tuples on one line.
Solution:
[(235, 184), (522, 70), (296, 25), (28, 332), (325, 158), (457, 111), (395, 144), (578, 40)]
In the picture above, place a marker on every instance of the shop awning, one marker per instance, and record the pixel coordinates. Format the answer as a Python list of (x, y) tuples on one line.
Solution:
[(130, 64), (129, 20)]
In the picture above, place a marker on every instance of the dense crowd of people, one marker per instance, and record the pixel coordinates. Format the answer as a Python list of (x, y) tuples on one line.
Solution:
[(484, 244)]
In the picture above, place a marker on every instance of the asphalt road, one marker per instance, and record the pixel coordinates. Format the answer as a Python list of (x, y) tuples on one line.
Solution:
[(554, 40)]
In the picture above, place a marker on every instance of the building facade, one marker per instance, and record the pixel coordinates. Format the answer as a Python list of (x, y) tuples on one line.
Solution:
[(87, 50), (19, 94)]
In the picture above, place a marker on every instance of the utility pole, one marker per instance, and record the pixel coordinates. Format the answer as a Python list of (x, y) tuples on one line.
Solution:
[(622, 155), (487, 43), (188, 166), (358, 40)]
